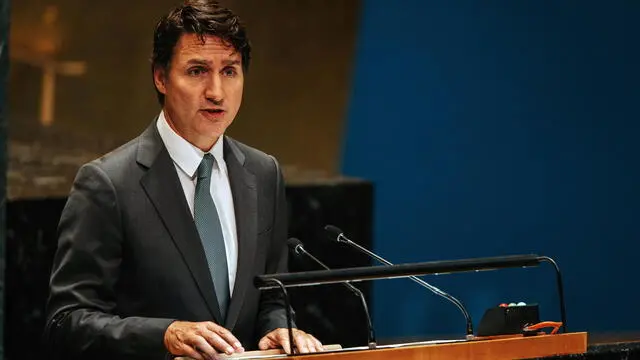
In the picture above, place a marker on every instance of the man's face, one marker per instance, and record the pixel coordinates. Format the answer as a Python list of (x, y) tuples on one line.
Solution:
[(202, 87)]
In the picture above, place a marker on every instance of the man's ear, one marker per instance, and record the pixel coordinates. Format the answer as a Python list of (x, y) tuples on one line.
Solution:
[(160, 79)]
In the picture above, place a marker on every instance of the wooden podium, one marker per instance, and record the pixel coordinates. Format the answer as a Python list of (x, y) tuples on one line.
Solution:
[(494, 349)]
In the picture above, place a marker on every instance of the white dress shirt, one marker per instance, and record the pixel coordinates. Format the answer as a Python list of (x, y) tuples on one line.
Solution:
[(186, 158)]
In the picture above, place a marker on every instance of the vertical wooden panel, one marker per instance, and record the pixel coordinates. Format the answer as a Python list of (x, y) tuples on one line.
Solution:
[(4, 68), (298, 88), (295, 95)]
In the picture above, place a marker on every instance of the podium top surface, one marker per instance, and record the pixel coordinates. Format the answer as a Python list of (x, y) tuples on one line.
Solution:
[(517, 347)]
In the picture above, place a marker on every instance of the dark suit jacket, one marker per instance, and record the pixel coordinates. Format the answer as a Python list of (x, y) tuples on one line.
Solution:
[(129, 259)]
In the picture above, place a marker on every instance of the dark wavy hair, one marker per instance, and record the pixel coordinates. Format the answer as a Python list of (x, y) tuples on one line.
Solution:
[(200, 17)]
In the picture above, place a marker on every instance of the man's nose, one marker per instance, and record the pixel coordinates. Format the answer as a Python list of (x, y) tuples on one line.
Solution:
[(214, 91)]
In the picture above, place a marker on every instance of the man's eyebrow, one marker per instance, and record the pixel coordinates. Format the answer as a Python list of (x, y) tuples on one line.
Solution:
[(231, 62), (198, 62), (208, 63)]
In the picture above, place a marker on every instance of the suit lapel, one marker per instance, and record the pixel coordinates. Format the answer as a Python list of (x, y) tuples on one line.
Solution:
[(244, 192), (163, 188)]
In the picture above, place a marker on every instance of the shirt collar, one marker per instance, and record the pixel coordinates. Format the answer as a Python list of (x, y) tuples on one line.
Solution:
[(183, 153)]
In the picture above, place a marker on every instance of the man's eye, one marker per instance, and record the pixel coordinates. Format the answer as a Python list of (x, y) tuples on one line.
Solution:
[(230, 72), (196, 71)]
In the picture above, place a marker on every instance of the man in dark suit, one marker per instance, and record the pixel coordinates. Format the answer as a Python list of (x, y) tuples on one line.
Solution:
[(161, 238)]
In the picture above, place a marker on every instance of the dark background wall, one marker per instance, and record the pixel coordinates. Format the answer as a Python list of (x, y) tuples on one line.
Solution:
[(494, 128)]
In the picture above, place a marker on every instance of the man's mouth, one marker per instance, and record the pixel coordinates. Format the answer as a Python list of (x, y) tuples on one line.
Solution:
[(213, 111)]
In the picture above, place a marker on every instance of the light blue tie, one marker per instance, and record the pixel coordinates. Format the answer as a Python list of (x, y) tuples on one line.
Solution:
[(207, 221)]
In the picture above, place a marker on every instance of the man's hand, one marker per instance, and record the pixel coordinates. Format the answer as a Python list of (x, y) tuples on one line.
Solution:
[(200, 340), (305, 343)]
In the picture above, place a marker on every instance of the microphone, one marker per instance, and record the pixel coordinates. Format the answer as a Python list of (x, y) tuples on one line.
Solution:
[(298, 248), (338, 235)]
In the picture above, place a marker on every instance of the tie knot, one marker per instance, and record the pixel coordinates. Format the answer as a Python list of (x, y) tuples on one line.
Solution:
[(204, 169)]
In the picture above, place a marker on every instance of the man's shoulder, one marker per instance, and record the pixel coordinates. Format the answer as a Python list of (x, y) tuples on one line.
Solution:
[(119, 162), (116, 157), (253, 157)]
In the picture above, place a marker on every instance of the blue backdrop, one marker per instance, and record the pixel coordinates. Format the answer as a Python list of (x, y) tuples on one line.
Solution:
[(501, 127)]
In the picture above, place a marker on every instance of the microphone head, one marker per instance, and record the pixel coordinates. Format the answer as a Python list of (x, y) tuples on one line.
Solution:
[(334, 232), (293, 243)]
